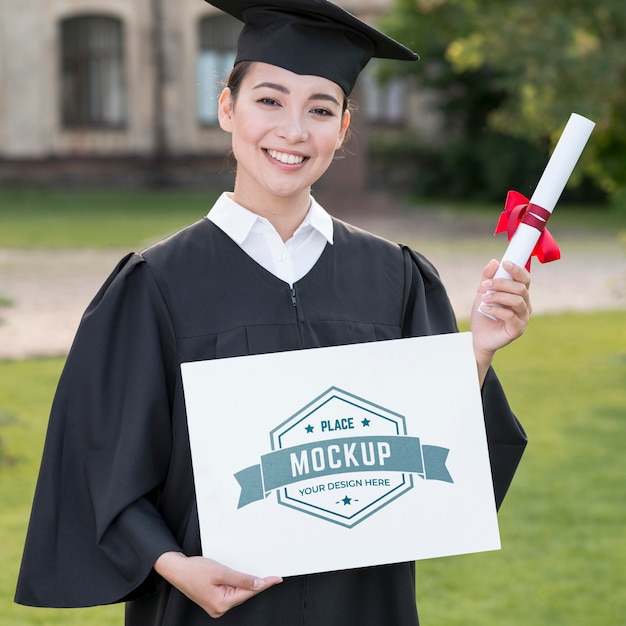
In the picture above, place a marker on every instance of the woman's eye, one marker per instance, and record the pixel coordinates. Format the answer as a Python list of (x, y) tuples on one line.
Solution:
[(268, 101), (321, 111)]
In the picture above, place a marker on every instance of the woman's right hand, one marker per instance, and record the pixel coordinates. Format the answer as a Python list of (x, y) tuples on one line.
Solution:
[(211, 585)]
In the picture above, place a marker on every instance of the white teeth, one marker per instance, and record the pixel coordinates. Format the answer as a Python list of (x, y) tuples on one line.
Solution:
[(288, 159)]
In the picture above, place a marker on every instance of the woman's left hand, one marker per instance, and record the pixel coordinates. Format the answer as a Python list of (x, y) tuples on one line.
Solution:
[(508, 301)]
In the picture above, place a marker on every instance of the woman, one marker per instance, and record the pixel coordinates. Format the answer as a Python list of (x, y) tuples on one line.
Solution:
[(114, 517)]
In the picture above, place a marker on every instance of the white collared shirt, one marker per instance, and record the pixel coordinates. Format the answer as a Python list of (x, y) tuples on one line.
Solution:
[(288, 260)]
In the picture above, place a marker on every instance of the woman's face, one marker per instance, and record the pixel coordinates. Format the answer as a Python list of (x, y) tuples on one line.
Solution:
[(285, 131)]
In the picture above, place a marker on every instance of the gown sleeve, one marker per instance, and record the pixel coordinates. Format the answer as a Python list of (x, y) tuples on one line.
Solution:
[(95, 531), (428, 311)]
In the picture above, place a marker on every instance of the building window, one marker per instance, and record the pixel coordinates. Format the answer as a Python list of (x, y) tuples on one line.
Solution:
[(384, 103), (216, 55), (92, 72)]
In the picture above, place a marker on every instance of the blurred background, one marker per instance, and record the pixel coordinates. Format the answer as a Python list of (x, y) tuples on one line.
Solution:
[(109, 141), (124, 93)]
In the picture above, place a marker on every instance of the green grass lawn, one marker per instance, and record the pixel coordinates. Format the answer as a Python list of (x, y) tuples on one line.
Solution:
[(562, 524), (95, 219), (26, 389), (126, 219)]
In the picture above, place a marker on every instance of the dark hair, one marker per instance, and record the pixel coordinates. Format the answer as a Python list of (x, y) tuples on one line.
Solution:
[(236, 76), (241, 70)]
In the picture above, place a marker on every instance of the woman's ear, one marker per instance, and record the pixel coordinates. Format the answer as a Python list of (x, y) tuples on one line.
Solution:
[(345, 124), (225, 109)]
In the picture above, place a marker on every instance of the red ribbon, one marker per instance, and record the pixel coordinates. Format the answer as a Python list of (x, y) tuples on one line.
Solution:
[(518, 210)]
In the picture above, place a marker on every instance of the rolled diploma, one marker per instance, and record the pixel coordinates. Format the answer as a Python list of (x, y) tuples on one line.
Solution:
[(550, 187)]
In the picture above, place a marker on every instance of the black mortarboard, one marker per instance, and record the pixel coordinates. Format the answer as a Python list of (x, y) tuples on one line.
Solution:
[(313, 37)]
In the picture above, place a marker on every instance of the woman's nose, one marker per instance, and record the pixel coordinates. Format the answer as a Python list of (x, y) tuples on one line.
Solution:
[(293, 129)]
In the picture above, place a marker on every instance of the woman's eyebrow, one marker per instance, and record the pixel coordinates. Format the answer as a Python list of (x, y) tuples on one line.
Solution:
[(275, 86), (283, 89), (324, 96)]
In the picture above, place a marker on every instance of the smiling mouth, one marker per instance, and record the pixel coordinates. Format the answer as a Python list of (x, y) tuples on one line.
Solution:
[(287, 159)]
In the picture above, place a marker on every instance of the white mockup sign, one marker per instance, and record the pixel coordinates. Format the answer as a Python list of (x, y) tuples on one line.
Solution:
[(342, 457)]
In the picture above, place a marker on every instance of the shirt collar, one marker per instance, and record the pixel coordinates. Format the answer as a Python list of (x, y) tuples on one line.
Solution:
[(237, 222)]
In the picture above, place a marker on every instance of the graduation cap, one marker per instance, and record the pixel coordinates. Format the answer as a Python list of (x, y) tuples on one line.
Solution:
[(309, 37)]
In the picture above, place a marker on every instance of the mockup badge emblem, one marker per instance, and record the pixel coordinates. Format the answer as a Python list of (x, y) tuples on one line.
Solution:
[(341, 458)]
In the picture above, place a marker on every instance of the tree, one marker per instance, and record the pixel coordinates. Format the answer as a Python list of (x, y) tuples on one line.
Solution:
[(547, 59)]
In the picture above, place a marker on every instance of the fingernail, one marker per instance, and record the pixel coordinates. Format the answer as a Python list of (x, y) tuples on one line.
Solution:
[(487, 283), (508, 265)]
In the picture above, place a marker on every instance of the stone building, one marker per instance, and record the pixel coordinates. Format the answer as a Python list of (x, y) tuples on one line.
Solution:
[(124, 92)]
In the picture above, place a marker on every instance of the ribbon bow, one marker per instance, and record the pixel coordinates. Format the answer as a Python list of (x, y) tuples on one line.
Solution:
[(518, 210)]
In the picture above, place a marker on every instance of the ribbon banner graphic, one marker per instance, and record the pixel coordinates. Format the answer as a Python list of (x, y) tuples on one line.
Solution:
[(337, 456)]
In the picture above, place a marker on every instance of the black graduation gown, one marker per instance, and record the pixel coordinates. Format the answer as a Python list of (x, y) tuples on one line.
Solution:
[(115, 488)]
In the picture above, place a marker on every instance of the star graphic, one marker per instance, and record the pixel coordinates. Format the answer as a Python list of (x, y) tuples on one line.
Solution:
[(365, 422), (347, 500), (309, 429)]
